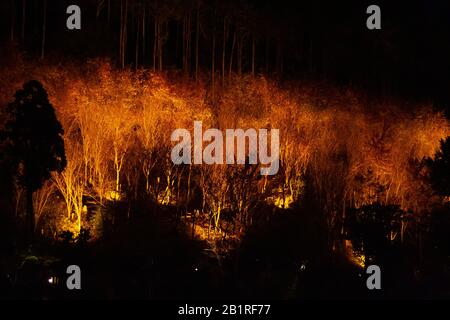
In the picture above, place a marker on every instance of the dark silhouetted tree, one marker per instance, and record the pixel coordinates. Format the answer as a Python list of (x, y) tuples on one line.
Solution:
[(372, 228), (34, 139), (439, 169)]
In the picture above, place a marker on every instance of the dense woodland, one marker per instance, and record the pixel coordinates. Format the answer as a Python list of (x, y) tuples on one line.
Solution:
[(363, 171)]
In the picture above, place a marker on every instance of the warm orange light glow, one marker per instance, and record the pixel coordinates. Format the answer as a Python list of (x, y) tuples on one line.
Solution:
[(117, 127), (353, 256)]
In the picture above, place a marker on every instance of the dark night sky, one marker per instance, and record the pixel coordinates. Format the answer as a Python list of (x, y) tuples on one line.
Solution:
[(321, 40)]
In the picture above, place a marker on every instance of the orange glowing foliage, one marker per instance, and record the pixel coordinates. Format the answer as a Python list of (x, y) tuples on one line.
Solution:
[(118, 125)]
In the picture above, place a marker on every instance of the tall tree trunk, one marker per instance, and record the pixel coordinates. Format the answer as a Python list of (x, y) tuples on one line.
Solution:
[(183, 53), (253, 56), (160, 57), (162, 29), (186, 44), (267, 54), (24, 5), (109, 12), (124, 34), (143, 37), (213, 76), (239, 60), (184, 47), (197, 36), (44, 31), (121, 31), (189, 45), (232, 54), (137, 45), (13, 19), (225, 36), (155, 43), (311, 63), (177, 45)]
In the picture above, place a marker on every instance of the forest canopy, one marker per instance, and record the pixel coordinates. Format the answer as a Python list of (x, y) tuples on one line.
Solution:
[(118, 123)]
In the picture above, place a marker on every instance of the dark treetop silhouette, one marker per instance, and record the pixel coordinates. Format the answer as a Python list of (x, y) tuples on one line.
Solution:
[(440, 169), (34, 137)]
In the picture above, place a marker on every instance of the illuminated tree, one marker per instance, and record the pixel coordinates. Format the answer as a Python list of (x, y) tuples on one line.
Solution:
[(83, 102), (214, 185), (70, 184), (120, 123), (149, 133), (40, 199), (245, 192), (36, 141)]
